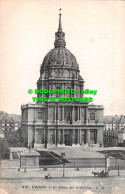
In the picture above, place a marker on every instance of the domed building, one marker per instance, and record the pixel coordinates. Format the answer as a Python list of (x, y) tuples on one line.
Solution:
[(60, 122)]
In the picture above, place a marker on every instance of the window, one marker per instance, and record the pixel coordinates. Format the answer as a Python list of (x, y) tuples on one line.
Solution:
[(76, 113), (58, 94), (58, 73), (68, 94), (68, 73), (39, 115), (61, 112), (92, 116), (68, 114)]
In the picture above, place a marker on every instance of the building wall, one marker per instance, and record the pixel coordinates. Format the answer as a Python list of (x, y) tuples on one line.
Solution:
[(30, 162), (114, 123), (97, 111), (40, 130), (100, 137), (9, 122), (110, 138)]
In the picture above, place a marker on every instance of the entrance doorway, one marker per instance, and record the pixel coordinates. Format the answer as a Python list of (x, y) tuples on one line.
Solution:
[(93, 137), (68, 140)]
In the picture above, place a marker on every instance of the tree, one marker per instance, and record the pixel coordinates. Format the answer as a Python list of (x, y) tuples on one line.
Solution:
[(4, 150), (14, 138)]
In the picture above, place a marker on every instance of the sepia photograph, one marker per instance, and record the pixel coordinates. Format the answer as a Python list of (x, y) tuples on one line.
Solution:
[(62, 89)]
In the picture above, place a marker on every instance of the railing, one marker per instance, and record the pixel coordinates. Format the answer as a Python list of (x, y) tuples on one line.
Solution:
[(75, 163), (91, 163)]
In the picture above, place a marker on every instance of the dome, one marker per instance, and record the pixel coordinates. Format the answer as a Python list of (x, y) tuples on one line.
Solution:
[(60, 57), (59, 68), (59, 61)]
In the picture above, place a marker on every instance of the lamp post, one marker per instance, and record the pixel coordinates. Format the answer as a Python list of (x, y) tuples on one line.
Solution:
[(105, 160), (118, 170), (46, 128), (62, 155), (20, 162), (56, 123)]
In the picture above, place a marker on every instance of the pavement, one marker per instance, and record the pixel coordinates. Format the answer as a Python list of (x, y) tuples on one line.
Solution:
[(54, 173), (33, 181)]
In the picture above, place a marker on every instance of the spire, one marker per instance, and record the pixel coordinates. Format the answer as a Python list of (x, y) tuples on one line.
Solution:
[(60, 24), (60, 35)]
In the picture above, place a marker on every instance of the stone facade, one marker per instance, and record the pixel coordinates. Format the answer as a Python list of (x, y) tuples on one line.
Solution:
[(121, 137), (29, 159), (61, 123)]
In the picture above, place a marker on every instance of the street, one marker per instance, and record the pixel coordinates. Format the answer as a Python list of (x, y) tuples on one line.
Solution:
[(68, 185)]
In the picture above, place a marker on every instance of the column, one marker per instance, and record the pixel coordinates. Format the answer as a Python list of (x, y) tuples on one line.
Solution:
[(97, 136), (48, 137), (44, 136), (64, 93), (88, 136), (55, 114), (81, 88), (58, 114), (78, 113), (63, 113), (50, 87), (58, 136), (73, 136), (75, 90), (73, 114), (36, 133), (34, 116), (63, 137), (62, 89), (86, 116), (42, 88), (80, 136), (30, 136), (55, 136)]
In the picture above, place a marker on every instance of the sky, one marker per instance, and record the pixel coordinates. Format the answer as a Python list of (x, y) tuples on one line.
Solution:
[(94, 33)]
